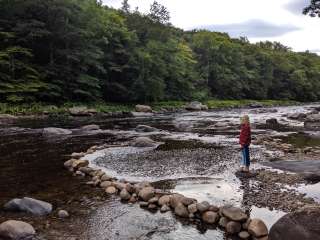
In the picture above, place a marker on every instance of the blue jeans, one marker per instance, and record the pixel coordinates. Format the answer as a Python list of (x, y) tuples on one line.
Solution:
[(245, 156)]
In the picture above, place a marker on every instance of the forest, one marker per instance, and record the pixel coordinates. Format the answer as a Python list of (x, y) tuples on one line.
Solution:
[(56, 51)]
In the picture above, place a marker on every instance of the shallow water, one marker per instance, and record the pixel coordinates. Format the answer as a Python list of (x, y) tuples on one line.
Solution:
[(198, 159)]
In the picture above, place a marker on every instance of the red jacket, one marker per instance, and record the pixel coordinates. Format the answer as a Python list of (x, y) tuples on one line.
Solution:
[(245, 135)]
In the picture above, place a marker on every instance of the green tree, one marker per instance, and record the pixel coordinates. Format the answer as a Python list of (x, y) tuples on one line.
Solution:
[(313, 9)]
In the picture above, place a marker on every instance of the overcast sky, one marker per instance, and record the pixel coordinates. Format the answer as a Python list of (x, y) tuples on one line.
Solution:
[(274, 20)]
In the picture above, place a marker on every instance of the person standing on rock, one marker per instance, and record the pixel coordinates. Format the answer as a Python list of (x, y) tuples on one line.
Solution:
[(245, 141)]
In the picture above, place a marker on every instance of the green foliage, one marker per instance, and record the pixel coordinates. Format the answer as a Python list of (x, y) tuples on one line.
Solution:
[(313, 9), (81, 51)]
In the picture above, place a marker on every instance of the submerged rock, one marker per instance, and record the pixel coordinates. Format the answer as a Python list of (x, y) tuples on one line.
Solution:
[(29, 205), (56, 131), (16, 230), (303, 224)]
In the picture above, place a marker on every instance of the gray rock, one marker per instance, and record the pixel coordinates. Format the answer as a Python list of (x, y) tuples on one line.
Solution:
[(29, 205), (257, 228), (175, 200), (92, 127), (145, 128), (81, 111), (192, 208), (233, 227), (297, 116), (143, 108), (223, 222), (16, 230), (203, 206), (196, 106), (144, 142), (164, 200), (147, 193), (210, 217), (56, 131), (124, 195), (244, 235), (233, 213), (165, 208), (303, 224), (63, 214), (181, 210)]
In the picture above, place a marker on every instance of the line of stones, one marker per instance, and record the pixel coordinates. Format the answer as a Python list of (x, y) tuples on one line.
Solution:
[(232, 219)]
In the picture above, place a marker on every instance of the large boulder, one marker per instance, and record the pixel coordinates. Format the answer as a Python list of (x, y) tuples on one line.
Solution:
[(144, 142), (147, 193), (143, 108), (233, 213), (196, 106), (257, 228), (145, 128), (29, 205), (16, 230), (312, 122), (181, 210), (175, 200), (56, 131), (81, 111), (210, 217), (303, 224)]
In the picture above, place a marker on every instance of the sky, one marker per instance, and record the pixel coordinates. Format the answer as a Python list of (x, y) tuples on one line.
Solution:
[(259, 20)]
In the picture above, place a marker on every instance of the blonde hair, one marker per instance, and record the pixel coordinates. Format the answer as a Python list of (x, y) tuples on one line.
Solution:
[(245, 119)]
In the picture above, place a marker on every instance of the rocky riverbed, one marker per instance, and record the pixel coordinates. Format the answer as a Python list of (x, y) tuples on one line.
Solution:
[(192, 153)]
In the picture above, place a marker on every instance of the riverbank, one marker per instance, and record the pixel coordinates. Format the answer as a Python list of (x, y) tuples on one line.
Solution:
[(103, 107)]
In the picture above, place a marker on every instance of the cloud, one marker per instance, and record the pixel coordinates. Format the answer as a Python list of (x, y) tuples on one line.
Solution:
[(252, 28), (296, 6)]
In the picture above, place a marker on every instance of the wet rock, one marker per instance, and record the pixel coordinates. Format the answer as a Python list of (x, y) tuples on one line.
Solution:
[(152, 206), (124, 195), (143, 108), (92, 127), (120, 186), (257, 228), (210, 217), (105, 177), (111, 190), (312, 122), (303, 224), (233, 213), (130, 188), (79, 173), (233, 227), (144, 204), (214, 208), (29, 205), (181, 210), (244, 235), (196, 106), (165, 208), (223, 222), (192, 208), (133, 199), (246, 224), (153, 200), (175, 200), (68, 164), (203, 206), (16, 230), (187, 201), (80, 163), (145, 128), (146, 193), (86, 170), (164, 200), (77, 155), (81, 111), (297, 116), (56, 131), (63, 214), (311, 177), (144, 142), (272, 121), (264, 110)]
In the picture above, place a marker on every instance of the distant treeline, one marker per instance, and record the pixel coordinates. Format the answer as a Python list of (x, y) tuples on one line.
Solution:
[(80, 50)]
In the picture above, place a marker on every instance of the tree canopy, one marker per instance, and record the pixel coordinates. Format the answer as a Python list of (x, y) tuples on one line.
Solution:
[(80, 50)]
